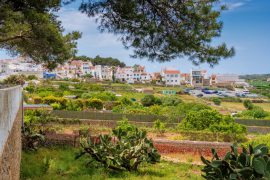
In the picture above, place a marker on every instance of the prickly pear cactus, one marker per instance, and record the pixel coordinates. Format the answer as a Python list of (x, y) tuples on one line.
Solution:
[(251, 164)]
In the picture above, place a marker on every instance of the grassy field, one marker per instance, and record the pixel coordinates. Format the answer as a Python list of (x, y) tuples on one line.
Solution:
[(238, 106), (59, 163)]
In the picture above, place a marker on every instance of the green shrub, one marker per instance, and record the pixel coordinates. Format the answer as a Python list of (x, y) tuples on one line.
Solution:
[(201, 120), (126, 151), (155, 109), (104, 96), (32, 77), (56, 106), (125, 126), (126, 101), (216, 101), (253, 163), (149, 100), (63, 87), (75, 105), (30, 88), (248, 104), (86, 95), (37, 100), (94, 104), (256, 113), (15, 80), (260, 139), (170, 101), (231, 99), (52, 99), (211, 120), (33, 129), (210, 136)]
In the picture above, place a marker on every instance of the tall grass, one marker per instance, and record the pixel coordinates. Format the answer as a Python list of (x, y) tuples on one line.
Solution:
[(59, 163)]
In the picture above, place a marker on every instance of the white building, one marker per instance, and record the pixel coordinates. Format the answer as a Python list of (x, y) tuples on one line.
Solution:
[(132, 74), (171, 77), (146, 77), (102, 72), (20, 66), (125, 74), (73, 69), (223, 78)]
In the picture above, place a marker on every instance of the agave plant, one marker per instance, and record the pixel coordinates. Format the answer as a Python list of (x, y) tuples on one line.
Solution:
[(251, 164)]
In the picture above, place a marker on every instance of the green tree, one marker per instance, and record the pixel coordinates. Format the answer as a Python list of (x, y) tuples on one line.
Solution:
[(159, 126), (30, 28), (104, 61), (113, 73), (163, 30)]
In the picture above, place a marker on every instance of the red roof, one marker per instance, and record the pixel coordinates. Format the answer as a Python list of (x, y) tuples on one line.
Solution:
[(185, 75), (172, 72), (76, 62)]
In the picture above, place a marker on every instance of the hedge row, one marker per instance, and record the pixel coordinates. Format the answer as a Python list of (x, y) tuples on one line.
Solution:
[(107, 116)]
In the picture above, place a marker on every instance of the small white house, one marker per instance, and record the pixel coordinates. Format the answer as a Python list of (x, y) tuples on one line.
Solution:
[(171, 77)]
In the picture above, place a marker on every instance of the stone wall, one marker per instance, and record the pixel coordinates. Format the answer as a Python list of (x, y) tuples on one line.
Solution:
[(10, 133), (195, 147)]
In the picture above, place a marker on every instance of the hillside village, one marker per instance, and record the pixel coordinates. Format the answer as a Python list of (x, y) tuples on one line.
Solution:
[(128, 74), (154, 114)]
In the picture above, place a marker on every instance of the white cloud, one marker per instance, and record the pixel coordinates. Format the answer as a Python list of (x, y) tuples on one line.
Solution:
[(233, 6), (73, 19)]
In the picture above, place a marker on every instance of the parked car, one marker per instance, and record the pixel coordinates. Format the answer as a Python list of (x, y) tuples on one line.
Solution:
[(240, 95), (199, 95), (186, 91)]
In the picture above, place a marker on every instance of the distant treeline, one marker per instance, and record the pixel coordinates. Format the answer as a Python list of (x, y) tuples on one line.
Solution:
[(262, 77), (105, 61)]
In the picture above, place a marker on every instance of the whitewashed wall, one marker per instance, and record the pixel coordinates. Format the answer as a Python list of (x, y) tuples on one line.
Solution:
[(10, 101)]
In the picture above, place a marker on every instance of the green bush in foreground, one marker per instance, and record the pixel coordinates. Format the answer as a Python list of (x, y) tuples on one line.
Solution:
[(125, 150), (251, 164)]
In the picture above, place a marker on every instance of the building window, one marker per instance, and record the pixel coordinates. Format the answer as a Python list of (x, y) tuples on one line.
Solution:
[(176, 75)]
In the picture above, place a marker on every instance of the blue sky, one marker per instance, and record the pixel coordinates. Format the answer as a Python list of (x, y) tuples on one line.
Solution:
[(246, 27)]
